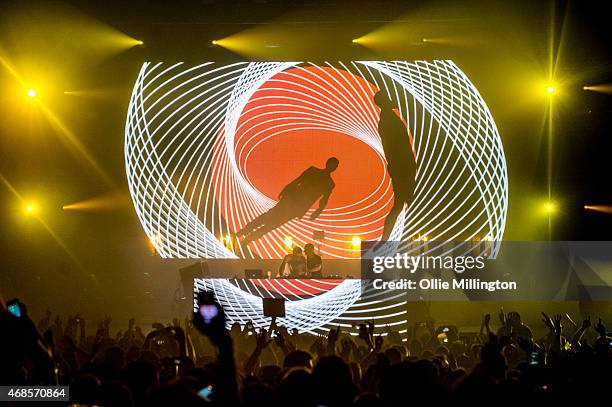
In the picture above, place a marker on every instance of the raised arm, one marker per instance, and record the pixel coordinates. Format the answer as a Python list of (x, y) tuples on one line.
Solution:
[(578, 335)]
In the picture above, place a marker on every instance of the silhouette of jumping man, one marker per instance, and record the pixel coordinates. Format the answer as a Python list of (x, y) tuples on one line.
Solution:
[(294, 201), (401, 164)]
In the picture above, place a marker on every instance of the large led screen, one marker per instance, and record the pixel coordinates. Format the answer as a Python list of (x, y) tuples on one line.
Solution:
[(248, 159)]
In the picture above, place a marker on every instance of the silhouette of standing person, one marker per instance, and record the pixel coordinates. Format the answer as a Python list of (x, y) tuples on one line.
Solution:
[(401, 164), (294, 201)]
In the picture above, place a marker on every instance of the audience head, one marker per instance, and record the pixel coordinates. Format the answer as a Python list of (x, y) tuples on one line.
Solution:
[(333, 382), (297, 388), (309, 249), (298, 358)]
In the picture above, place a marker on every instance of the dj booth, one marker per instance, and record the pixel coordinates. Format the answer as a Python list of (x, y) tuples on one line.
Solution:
[(311, 304)]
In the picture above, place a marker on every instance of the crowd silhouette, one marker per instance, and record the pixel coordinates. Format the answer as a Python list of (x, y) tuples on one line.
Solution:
[(189, 363)]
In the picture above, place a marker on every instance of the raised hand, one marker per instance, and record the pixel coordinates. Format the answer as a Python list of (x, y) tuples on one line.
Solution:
[(378, 343), (557, 323), (502, 317), (547, 321), (262, 339), (333, 334), (600, 328), (364, 334), (279, 339), (332, 338), (317, 347), (586, 323), (248, 327), (273, 326)]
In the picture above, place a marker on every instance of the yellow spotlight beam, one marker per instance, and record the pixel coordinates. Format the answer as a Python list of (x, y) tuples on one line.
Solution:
[(599, 208), (388, 37), (11, 70), (73, 141), (260, 41), (600, 88), (56, 123), (101, 203), (454, 40), (95, 93), (54, 28)]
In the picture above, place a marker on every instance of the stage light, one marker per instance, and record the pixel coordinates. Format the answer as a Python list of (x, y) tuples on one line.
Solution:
[(550, 89), (31, 93), (600, 88), (139, 42), (599, 208), (356, 241), (155, 239), (550, 207), (214, 42), (227, 241), (355, 41), (289, 242), (105, 202), (29, 208)]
